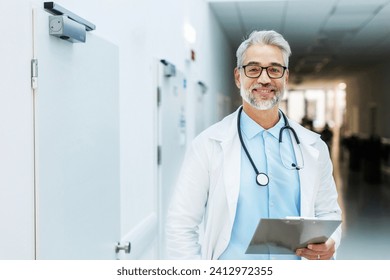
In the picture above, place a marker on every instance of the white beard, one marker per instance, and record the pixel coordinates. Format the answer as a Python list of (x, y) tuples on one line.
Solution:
[(260, 104)]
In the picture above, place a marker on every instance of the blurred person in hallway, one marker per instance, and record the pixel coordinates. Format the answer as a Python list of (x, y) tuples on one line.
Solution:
[(327, 136), (307, 123), (237, 172)]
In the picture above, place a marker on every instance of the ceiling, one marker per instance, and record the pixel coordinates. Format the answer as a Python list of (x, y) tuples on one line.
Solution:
[(328, 38)]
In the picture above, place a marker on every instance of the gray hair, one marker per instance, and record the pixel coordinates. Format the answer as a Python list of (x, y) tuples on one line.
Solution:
[(265, 37)]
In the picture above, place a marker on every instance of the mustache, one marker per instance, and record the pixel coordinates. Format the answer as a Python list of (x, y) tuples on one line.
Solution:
[(269, 87)]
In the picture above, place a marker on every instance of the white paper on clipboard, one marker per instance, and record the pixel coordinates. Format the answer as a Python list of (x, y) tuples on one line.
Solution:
[(284, 236)]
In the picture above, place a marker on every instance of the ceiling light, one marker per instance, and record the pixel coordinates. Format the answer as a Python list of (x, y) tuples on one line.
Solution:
[(189, 33)]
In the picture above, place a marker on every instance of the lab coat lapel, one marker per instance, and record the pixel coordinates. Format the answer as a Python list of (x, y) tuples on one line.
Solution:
[(307, 175), (231, 150), (231, 170)]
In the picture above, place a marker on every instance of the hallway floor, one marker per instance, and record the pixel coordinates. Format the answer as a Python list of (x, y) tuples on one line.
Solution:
[(366, 214)]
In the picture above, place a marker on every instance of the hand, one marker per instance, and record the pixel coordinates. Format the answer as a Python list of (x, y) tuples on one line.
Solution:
[(322, 251)]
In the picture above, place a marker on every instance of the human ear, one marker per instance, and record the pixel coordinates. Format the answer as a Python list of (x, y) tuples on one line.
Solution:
[(237, 77), (286, 76)]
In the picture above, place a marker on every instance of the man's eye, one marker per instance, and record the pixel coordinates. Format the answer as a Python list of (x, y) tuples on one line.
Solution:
[(274, 69)]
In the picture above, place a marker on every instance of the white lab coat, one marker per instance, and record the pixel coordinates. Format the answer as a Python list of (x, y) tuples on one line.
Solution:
[(208, 186)]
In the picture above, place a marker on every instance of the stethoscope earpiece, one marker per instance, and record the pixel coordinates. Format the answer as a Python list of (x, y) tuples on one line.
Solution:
[(295, 166)]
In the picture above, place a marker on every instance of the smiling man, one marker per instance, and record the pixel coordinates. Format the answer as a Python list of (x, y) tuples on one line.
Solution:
[(254, 164)]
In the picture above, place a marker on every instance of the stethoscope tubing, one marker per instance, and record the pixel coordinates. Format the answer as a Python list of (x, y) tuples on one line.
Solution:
[(262, 178)]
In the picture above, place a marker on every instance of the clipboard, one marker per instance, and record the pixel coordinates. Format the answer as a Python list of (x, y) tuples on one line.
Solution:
[(284, 236)]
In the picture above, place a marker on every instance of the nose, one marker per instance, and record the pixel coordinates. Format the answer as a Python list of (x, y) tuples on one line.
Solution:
[(263, 78)]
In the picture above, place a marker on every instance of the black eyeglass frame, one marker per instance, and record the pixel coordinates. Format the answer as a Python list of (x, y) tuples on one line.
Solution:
[(266, 70)]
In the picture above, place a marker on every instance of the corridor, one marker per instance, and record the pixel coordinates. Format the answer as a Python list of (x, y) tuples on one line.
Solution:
[(366, 213), (90, 157)]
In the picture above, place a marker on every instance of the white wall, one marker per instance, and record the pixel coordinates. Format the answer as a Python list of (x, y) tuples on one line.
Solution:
[(144, 31)]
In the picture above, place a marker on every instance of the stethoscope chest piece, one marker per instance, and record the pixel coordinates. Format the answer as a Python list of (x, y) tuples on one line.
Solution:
[(262, 179)]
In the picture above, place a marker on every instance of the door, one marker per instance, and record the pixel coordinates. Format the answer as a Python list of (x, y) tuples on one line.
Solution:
[(195, 109), (172, 134), (200, 108), (76, 146), (16, 134)]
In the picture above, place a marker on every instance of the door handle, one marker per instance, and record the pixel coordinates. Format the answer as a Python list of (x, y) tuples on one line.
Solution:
[(125, 247)]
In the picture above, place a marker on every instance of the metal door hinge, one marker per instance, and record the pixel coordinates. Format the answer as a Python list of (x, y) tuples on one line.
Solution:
[(158, 155), (34, 73), (169, 68), (158, 96), (126, 248)]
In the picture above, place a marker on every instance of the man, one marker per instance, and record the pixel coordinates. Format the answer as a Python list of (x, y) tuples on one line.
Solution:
[(236, 172)]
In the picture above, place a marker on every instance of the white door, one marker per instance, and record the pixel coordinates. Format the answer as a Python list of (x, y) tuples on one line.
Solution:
[(195, 109), (16, 133), (77, 146), (172, 136), (199, 111)]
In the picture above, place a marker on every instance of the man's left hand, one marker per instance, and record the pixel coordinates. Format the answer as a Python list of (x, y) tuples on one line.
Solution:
[(322, 251)]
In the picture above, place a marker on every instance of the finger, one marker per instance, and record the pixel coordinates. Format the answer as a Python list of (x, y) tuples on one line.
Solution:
[(314, 255), (310, 256), (324, 257), (322, 247), (326, 246), (309, 252)]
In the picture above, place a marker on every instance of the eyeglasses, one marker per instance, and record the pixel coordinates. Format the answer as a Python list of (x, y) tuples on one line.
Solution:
[(273, 71)]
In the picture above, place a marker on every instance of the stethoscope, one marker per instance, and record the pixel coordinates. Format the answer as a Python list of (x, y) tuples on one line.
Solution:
[(262, 179)]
